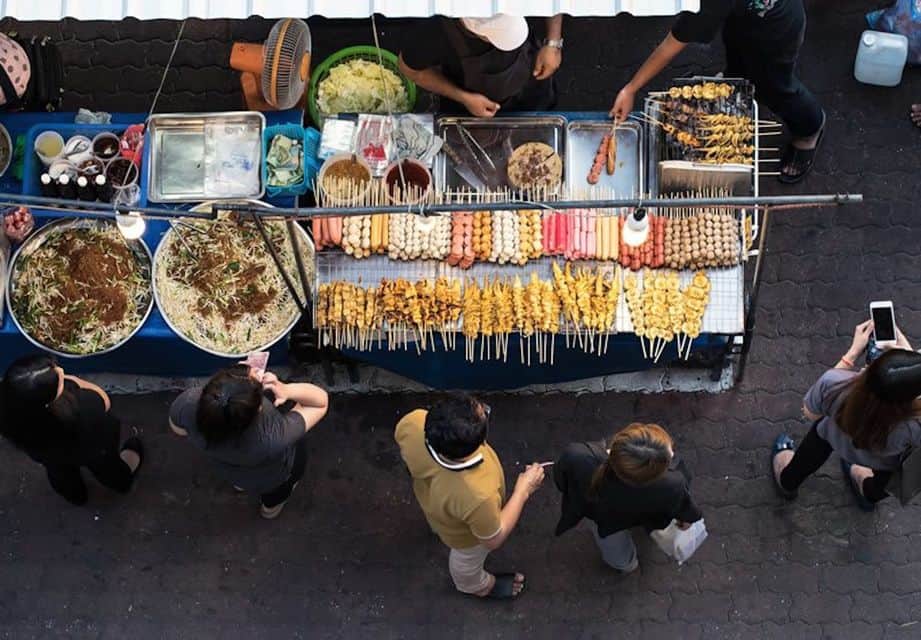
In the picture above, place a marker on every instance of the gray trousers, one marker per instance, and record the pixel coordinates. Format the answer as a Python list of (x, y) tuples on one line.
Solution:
[(617, 550)]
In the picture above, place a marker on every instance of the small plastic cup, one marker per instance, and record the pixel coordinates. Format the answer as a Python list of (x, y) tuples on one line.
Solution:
[(121, 172), (416, 176), (361, 187), (106, 146), (59, 167), (49, 145)]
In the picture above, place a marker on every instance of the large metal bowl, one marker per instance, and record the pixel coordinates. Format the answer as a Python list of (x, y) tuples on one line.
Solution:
[(35, 241), (6, 150), (309, 265)]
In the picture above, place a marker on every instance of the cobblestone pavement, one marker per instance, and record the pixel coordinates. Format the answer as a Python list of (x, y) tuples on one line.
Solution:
[(351, 557)]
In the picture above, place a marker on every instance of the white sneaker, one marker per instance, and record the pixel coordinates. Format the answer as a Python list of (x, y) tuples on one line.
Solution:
[(270, 513)]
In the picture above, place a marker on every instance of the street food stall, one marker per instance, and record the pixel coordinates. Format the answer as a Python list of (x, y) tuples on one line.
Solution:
[(461, 252)]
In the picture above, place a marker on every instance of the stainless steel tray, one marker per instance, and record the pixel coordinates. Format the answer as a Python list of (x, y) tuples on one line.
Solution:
[(498, 137), (582, 140), (179, 161)]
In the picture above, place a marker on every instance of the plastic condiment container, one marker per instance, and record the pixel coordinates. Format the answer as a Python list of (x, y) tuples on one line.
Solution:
[(417, 177), (881, 58), (106, 146), (49, 145), (361, 188)]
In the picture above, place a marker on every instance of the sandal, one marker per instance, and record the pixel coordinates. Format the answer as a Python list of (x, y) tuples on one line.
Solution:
[(504, 588), (862, 502), (800, 159), (915, 114), (783, 442)]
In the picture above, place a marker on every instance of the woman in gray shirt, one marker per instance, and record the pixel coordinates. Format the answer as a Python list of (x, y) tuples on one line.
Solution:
[(869, 417), (251, 442)]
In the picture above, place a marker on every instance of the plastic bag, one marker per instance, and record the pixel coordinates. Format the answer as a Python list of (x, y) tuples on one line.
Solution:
[(233, 160), (678, 543), (904, 17)]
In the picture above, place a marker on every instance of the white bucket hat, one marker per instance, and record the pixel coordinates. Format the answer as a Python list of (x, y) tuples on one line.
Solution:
[(502, 31), (636, 228)]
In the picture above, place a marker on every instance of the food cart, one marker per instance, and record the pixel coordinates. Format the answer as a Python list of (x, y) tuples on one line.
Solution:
[(700, 317), (516, 258)]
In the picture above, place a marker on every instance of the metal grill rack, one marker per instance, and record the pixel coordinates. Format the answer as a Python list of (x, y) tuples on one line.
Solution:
[(724, 314)]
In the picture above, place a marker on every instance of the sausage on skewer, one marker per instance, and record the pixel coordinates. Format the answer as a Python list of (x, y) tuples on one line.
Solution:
[(600, 155)]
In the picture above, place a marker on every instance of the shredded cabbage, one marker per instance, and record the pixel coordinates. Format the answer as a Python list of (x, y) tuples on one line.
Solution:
[(360, 86)]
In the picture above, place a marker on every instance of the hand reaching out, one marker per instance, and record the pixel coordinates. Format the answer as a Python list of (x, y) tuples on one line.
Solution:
[(480, 106), (547, 62), (862, 333), (623, 104)]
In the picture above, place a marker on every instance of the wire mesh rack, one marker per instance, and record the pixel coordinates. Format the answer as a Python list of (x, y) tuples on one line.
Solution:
[(724, 314)]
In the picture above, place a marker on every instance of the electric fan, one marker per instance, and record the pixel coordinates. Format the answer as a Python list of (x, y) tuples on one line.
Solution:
[(275, 74)]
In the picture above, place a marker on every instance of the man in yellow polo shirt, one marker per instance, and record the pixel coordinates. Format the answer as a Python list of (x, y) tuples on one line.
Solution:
[(459, 483)]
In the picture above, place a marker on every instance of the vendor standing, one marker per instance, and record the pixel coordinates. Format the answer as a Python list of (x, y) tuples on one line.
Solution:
[(763, 39), (482, 65)]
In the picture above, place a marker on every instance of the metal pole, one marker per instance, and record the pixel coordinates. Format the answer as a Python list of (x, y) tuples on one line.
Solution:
[(514, 205), (102, 209), (98, 209), (753, 298)]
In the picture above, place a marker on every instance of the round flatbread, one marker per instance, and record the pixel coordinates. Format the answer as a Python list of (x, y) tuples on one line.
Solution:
[(535, 165)]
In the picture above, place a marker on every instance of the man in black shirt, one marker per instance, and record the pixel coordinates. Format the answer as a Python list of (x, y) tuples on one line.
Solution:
[(481, 65), (762, 39)]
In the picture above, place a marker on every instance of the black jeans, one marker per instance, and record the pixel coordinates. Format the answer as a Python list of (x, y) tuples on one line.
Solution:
[(283, 491), (110, 471), (812, 453), (769, 61)]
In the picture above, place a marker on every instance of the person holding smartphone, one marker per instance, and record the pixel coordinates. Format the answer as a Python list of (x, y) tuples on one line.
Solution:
[(634, 480), (871, 417), (251, 426)]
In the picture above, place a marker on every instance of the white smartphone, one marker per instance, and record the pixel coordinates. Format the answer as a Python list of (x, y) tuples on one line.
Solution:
[(883, 316)]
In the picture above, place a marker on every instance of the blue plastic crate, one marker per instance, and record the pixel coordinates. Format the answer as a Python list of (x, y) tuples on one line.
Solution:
[(295, 132), (33, 168)]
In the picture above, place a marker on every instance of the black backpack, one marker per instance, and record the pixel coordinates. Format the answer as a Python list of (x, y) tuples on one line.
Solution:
[(44, 91)]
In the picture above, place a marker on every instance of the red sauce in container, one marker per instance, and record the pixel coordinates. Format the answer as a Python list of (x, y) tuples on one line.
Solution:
[(415, 176)]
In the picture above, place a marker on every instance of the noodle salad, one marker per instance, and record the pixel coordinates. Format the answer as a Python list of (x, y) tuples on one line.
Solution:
[(218, 286), (83, 290)]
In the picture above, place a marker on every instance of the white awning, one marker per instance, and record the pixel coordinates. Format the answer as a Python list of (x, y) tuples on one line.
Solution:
[(178, 9)]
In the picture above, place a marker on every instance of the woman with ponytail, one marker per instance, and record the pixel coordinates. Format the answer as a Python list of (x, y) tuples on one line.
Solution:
[(635, 480), (64, 423), (870, 417)]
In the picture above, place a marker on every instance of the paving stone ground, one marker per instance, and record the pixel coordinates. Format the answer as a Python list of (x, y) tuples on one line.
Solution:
[(351, 556)]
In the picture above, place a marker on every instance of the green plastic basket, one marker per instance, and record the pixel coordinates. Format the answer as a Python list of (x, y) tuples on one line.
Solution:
[(350, 53)]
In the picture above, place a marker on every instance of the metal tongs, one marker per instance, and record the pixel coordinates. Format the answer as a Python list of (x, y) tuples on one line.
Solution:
[(478, 154)]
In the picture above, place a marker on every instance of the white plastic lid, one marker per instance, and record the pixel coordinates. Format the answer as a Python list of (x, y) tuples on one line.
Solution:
[(869, 39)]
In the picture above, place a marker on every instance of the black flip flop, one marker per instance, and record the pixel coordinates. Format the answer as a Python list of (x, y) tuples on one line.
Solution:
[(783, 442), (803, 159), (504, 587), (862, 502)]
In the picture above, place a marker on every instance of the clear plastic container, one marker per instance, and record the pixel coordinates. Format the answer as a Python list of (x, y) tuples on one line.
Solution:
[(881, 58)]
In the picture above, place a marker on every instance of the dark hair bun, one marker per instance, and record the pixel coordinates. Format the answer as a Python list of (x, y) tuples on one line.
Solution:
[(896, 376)]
